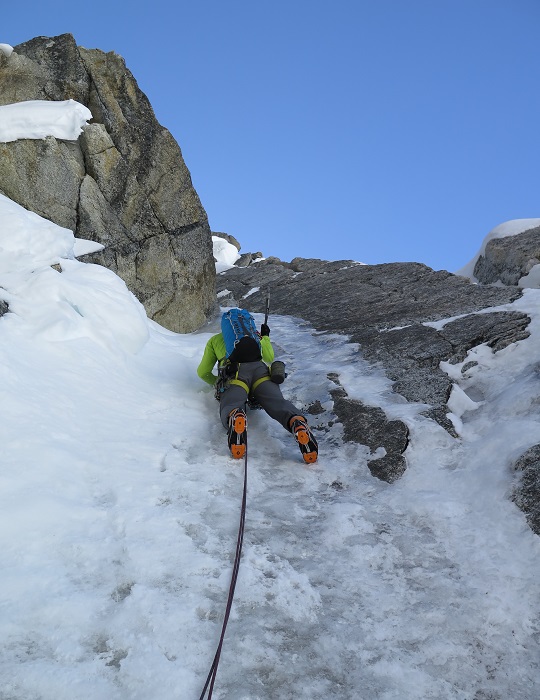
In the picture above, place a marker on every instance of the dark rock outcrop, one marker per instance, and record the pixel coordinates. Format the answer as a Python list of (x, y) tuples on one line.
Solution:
[(527, 492), (508, 259), (369, 426), (123, 184), (247, 259)]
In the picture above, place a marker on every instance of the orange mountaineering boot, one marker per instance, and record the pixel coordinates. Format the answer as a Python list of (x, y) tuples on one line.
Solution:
[(237, 433), (305, 439)]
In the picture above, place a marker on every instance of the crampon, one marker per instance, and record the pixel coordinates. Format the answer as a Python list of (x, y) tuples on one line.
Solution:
[(237, 434), (305, 439)]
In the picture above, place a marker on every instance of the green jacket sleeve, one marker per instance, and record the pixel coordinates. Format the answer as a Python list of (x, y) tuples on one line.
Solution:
[(267, 350), (213, 352)]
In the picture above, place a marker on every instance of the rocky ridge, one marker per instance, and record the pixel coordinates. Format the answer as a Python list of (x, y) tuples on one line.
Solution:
[(405, 318)]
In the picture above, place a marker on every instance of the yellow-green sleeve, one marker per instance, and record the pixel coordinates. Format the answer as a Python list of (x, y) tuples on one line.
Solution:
[(267, 350), (213, 352)]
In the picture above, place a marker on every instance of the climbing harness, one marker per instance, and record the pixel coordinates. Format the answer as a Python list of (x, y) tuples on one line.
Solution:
[(249, 390), (228, 374), (209, 685)]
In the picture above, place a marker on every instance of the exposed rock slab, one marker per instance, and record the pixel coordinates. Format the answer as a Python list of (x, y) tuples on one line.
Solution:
[(369, 426), (124, 183)]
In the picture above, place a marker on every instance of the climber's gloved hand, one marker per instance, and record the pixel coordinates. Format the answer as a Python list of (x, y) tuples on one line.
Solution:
[(265, 330)]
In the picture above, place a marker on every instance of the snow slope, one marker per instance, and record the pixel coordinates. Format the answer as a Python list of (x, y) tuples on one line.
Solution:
[(119, 508)]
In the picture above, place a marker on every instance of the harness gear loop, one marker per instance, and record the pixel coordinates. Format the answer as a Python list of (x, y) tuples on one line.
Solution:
[(226, 370)]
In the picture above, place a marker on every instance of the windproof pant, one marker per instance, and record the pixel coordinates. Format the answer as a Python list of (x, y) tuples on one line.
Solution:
[(253, 379)]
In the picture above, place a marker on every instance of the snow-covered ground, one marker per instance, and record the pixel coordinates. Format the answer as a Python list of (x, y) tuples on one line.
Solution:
[(119, 508)]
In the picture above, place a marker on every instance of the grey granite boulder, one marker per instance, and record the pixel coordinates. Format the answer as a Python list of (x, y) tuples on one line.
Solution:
[(527, 492), (44, 176), (508, 259), (123, 184), (247, 259)]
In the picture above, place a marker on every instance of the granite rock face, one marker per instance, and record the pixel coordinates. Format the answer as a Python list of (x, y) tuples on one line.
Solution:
[(508, 259), (124, 183)]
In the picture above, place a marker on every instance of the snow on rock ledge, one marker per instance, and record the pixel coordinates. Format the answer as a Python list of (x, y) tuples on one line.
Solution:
[(225, 254), (508, 255), (37, 119)]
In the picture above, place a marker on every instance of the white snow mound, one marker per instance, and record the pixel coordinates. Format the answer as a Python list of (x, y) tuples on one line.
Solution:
[(37, 119)]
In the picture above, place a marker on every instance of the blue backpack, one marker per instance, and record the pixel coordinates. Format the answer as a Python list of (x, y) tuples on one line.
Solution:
[(242, 342)]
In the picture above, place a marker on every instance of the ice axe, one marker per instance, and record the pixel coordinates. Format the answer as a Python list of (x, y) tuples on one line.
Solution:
[(267, 309)]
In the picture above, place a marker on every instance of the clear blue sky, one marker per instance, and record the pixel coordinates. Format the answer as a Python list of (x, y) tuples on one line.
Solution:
[(382, 131)]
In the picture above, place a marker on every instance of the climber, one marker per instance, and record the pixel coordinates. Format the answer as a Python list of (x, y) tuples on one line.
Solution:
[(245, 360)]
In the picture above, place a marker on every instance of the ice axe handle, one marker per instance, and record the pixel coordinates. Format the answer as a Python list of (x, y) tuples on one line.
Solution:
[(267, 311)]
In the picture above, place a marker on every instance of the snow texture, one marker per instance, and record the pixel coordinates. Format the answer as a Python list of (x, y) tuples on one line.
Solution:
[(37, 119), (225, 254)]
